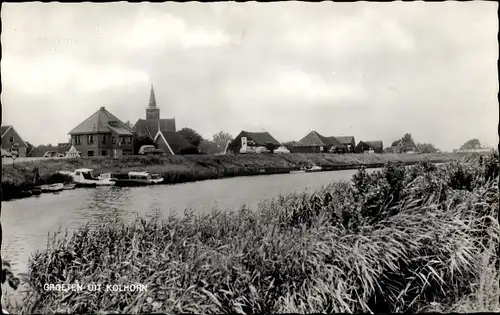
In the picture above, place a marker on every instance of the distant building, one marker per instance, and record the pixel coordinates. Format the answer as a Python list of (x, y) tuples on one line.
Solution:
[(348, 142), (314, 142), (63, 148), (173, 143), (102, 134), (369, 146), (247, 141), (150, 126), (400, 146), (11, 137)]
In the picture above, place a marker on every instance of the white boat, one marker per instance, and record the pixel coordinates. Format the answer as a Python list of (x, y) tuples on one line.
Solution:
[(136, 179), (105, 180), (69, 186), (51, 188), (83, 177), (314, 168)]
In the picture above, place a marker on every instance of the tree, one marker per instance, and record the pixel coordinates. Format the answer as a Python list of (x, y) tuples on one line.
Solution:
[(29, 148), (427, 148), (222, 136), (271, 147), (407, 138), (471, 144), (191, 136), (128, 123)]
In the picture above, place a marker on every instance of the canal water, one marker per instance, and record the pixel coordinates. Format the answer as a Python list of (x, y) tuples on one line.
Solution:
[(27, 222)]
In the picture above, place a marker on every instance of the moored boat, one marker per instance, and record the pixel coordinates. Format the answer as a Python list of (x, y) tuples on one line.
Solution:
[(69, 186), (314, 168), (51, 188), (105, 180), (83, 178), (136, 179)]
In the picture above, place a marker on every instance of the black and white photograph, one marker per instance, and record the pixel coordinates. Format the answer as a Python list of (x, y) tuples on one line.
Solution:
[(250, 157)]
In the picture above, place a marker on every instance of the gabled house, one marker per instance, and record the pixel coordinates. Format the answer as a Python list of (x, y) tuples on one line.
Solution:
[(369, 146), (103, 134), (150, 126), (249, 141), (173, 143), (10, 137), (314, 142), (348, 142), (400, 146)]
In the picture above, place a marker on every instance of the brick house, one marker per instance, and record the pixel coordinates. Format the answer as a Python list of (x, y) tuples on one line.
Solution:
[(314, 142), (102, 134), (348, 142), (11, 137)]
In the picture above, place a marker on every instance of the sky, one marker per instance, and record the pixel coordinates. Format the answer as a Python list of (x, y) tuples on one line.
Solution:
[(371, 70)]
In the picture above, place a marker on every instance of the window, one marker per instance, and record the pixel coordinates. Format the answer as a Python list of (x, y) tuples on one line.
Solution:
[(129, 140), (113, 139), (11, 139), (104, 153), (77, 140), (90, 153), (90, 139), (122, 140), (103, 139)]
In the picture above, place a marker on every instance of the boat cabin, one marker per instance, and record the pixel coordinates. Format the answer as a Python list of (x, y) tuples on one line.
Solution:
[(86, 173)]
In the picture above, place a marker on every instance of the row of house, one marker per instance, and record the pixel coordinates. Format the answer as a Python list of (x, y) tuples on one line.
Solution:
[(314, 142), (103, 134)]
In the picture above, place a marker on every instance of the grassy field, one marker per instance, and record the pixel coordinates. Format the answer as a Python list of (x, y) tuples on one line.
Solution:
[(423, 238), (179, 169)]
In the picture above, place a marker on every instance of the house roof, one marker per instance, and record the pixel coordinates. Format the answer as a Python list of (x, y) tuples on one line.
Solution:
[(99, 122), (121, 131), (314, 139), (405, 144), (5, 129), (150, 127), (345, 139), (260, 138), (174, 141), (375, 144)]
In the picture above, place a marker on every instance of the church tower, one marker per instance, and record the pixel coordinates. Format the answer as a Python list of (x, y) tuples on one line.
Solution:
[(152, 112)]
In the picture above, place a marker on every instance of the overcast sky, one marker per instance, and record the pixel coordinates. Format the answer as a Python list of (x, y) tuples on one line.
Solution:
[(371, 70)]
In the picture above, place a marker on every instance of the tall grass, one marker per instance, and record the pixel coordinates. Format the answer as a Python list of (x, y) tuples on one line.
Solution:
[(396, 240)]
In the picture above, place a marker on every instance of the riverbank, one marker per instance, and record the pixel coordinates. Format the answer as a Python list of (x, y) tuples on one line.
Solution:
[(398, 240), (181, 169)]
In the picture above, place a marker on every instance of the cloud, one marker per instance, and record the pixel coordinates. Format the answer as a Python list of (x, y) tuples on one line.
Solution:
[(157, 30), (291, 84), (58, 73)]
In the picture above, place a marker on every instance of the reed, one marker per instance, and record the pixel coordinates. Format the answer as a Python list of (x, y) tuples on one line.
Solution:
[(396, 240)]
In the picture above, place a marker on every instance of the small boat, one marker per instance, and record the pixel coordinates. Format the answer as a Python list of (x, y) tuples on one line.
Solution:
[(83, 178), (314, 168), (69, 186), (51, 188), (105, 180), (301, 170), (136, 179)]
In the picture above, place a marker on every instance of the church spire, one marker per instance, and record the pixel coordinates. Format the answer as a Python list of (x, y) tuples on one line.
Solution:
[(152, 112), (152, 98)]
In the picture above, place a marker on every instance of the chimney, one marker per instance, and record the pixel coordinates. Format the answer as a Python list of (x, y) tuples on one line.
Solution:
[(102, 108)]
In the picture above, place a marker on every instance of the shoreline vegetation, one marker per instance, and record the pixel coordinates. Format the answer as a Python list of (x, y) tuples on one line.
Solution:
[(18, 177), (417, 239)]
